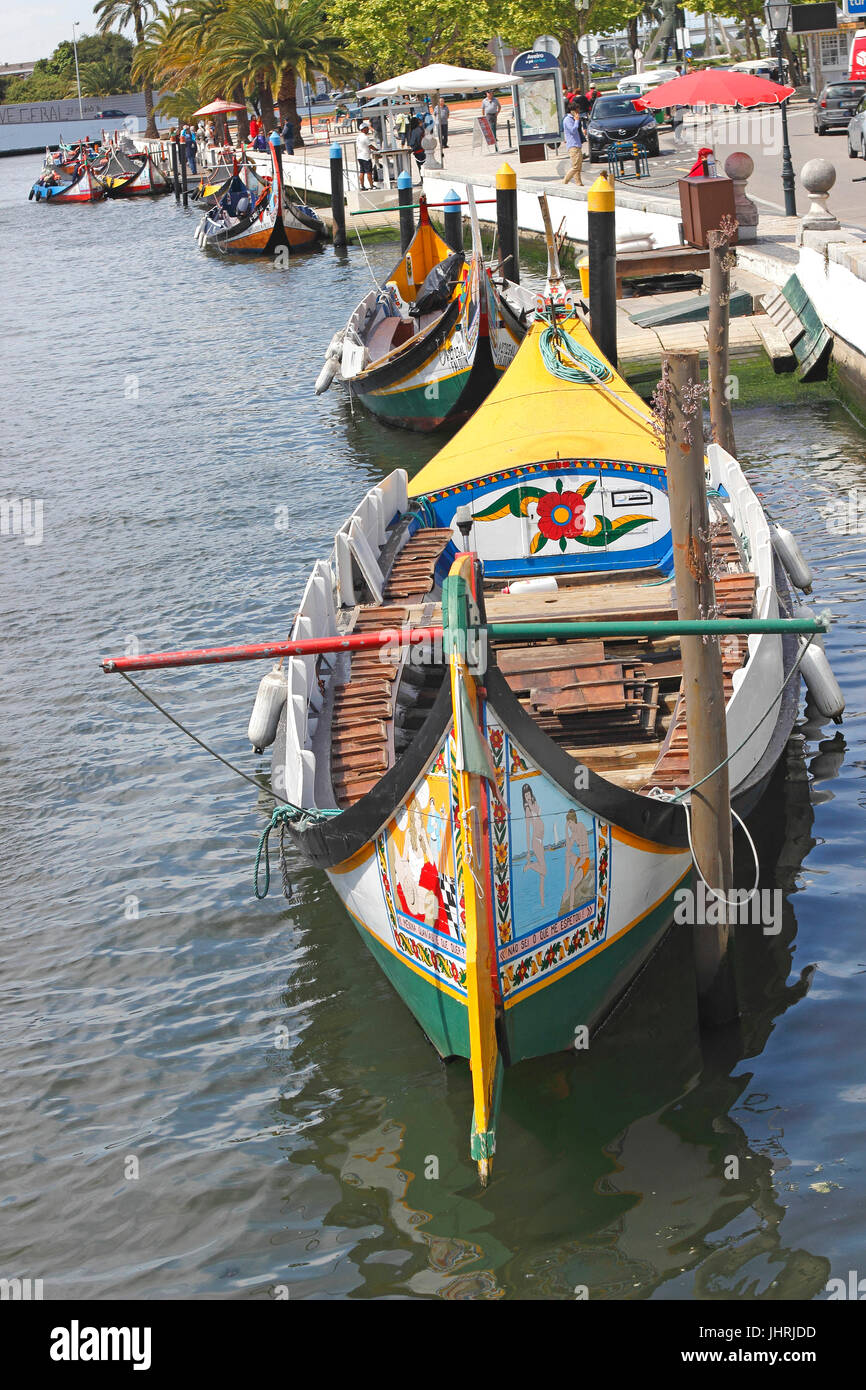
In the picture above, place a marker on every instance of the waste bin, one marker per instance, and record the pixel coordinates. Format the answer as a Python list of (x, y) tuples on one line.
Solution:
[(703, 203)]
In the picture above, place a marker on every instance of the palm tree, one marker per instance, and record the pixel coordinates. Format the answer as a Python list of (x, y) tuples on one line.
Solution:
[(279, 42), (119, 14), (103, 78), (194, 27)]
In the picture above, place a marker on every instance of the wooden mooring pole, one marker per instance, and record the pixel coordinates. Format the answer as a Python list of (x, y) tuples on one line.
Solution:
[(175, 170), (721, 416), (703, 683)]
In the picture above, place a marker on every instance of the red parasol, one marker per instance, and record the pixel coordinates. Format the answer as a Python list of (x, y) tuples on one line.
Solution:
[(714, 87), (219, 108)]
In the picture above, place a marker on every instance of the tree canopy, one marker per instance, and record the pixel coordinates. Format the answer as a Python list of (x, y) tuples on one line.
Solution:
[(54, 78)]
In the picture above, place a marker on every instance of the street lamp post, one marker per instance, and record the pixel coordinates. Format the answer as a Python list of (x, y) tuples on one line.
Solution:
[(77, 25), (778, 16)]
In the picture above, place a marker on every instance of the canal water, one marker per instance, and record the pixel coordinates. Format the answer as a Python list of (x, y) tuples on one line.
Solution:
[(207, 1096)]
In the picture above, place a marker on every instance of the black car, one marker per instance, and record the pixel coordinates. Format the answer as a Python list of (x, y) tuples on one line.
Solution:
[(614, 118), (836, 105)]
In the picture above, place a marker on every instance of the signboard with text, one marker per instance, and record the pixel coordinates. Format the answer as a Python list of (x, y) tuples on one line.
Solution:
[(538, 105)]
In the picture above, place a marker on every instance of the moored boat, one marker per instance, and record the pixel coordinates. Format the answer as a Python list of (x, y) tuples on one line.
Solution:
[(137, 175), (480, 734), (75, 185), (216, 182), (427, 347), (242, 223), (506, 826)]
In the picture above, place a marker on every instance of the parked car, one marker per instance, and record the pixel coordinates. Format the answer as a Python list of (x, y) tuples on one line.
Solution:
[(614, 118), (836, 104), (857, 129), (637, 84)]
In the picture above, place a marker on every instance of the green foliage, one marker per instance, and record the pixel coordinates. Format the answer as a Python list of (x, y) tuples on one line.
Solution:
[(41, 86), (54, 78), (103, 79), (278, 40), (385, 37)]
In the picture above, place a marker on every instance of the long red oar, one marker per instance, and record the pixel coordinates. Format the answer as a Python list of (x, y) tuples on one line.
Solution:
[(259, 651), (410, 636)]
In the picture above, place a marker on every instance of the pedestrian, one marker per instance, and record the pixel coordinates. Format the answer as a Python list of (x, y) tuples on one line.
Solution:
[(255, 127), (402, 125), (443, 114), (573, 144), (190, 143), (364, 148), (416, 141), (288, 134), (211, 133), (490, 107)]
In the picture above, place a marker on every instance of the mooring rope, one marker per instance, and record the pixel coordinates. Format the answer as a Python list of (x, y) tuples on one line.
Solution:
[(285, 814), (584, 369)]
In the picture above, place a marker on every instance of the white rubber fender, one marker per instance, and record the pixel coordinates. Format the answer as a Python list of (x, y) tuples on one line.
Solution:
[(822, 685), (270, 698), (332, 362), (792, 557)]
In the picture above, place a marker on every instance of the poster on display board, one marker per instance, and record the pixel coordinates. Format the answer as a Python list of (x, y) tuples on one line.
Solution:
[(538, 104)]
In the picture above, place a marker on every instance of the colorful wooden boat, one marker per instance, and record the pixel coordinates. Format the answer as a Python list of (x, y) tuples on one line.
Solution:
[(137, 175), (77, 185), (480, 732), (217, 182), (267, 223), (497, 817), (428, 347)]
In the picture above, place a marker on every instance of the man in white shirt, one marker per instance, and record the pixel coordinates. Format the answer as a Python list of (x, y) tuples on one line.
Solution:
[(365, 148), (490, 107)]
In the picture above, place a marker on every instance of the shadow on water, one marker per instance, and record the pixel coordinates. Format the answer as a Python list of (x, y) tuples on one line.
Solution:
[(621, 1172)]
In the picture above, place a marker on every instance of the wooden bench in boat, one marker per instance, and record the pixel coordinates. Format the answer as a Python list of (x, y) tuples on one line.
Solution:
[(362, 742), (614, 705)]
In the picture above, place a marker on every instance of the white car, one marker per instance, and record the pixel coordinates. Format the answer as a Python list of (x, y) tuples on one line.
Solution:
[(637, 84), (857, 131)]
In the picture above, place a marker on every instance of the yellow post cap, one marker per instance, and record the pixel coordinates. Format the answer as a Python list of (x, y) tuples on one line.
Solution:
[(506, 177), (601, 197)]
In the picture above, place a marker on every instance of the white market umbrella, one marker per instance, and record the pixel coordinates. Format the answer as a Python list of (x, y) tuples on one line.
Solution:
[(439, 77)]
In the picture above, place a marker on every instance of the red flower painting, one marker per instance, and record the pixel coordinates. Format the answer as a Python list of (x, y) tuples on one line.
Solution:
[(561, 515)]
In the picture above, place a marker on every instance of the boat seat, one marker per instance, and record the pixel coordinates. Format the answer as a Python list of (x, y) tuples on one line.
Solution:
[(426, 320), (391, 333)]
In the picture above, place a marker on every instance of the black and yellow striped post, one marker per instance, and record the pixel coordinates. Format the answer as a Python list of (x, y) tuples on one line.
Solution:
[(602, 266), (506, 221)]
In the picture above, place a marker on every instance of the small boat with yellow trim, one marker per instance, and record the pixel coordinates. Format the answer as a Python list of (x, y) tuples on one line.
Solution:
[(130, 173), (426, 348), (216, 182), (241, 222)]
